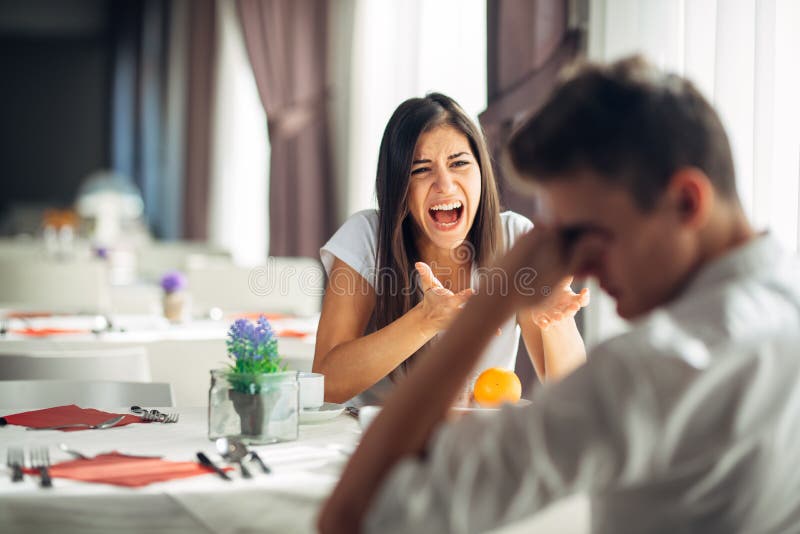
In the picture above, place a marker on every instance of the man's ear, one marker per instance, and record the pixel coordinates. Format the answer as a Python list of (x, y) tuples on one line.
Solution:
[(691, 193)]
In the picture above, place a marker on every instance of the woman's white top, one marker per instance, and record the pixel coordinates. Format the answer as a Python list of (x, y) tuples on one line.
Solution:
[(355, 243)]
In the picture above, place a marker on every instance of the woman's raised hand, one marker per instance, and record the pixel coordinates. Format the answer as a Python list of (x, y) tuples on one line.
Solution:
[(439, 304), (562, 303)]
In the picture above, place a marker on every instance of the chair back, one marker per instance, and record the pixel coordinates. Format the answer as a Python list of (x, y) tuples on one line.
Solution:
[(37, 394), (128, 364), (73, 285), (282, 285)]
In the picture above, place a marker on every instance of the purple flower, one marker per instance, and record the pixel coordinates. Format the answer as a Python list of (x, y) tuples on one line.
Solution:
[(254, 347), (173, 281)]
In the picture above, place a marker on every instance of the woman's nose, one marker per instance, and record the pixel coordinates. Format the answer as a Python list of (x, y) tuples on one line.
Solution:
[(444, 181)]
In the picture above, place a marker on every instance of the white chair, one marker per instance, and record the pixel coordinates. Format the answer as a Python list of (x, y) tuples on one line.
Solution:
[(282, 285), (75, 285), (36, 394), (129, 364), (156, 258)]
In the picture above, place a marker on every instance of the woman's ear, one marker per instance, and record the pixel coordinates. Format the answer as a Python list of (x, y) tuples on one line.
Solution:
[(692, 196)]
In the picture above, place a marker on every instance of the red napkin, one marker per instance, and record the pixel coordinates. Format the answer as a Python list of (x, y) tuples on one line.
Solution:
[(253, 316), (44, 332), (28, 314), (292, 333), (122, 470), (66, 415)]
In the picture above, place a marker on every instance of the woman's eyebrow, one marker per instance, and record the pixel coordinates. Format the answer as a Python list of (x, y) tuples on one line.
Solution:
[(451, 156)]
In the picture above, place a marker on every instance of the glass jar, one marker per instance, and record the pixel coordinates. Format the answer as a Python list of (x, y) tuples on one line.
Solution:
[(255, 408)]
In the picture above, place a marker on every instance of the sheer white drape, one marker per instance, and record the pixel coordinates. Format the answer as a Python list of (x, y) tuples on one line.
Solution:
[(400, 50), (239, 208), (742, 54)]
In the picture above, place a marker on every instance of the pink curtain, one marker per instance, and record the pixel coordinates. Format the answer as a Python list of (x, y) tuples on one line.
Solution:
[(286, 42)]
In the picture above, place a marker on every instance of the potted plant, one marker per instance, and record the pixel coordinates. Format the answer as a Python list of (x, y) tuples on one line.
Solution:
[(257, 384), (176, 305)]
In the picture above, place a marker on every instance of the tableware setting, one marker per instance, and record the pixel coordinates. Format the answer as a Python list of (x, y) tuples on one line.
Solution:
[(40, 461), (326, 412), (70, 418), (120, 469), (37, 457), (15, 459), (113, 468), (206, 461), (234, 451), (153, 415), (313, 408), (79, 455), (99, 426)]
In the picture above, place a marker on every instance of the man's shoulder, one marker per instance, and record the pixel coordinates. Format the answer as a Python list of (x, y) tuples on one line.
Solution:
[(657, 335)]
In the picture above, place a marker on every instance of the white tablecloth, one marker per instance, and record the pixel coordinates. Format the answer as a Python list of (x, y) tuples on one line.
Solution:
[(287, 501), (304, 472), (181, 354)]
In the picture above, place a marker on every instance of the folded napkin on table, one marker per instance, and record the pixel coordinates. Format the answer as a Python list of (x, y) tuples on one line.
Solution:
[(66, 415), (27, 314), (252, 316), (123, 470), (44, 332), (292, 333)]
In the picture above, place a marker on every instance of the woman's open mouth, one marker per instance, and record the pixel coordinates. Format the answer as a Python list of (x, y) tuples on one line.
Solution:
[(446, 215)]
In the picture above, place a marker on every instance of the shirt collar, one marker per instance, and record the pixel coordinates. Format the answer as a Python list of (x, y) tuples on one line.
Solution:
[(760, 253)]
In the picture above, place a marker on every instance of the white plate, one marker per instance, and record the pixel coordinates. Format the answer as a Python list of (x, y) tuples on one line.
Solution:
[(521, 402), (328, 410), (367, 413)]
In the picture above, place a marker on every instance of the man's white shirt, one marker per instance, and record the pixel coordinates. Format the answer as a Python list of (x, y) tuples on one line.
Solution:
[(690, 422)]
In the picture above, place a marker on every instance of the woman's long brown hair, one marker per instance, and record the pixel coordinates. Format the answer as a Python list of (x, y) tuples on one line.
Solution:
[(396, 286)]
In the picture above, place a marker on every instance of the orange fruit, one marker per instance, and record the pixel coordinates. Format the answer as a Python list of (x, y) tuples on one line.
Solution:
[(495, 386)]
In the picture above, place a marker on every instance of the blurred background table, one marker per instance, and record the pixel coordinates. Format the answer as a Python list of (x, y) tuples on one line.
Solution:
[(180, 354)]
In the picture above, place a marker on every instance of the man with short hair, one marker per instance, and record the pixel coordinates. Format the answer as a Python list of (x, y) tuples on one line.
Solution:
[(687, 423)]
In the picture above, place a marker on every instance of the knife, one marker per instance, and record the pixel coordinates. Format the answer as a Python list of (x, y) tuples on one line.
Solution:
[(208, 463), (264, 467)]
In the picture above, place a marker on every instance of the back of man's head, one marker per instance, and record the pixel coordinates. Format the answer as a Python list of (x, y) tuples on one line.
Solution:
[(628, 123)]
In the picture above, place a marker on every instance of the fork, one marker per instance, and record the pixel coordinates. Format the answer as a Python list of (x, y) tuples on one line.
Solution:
[(155, 415), (162, 417), (40, 459), (15, 459)]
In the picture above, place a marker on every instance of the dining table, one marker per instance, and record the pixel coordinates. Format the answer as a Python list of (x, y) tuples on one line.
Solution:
[(303, 472), (285, 501)]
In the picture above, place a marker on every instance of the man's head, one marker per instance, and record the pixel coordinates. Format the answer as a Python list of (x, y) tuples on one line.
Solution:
[(638, 159)]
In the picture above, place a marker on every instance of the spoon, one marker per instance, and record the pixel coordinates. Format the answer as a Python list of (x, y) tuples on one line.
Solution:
[(105, 424), (234, 450)]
